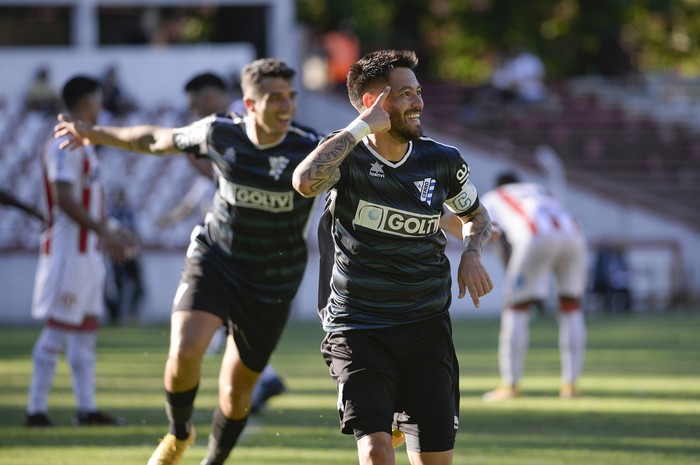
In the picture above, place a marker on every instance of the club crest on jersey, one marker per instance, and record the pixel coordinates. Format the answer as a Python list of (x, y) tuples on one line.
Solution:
[(426, 187), (277, 166), (230, 154), (376, 170)]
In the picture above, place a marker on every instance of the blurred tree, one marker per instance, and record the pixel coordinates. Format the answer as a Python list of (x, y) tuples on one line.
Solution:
[(458, 39)]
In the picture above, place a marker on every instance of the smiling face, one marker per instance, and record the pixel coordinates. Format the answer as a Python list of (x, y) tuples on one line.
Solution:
[(272, 107), (404, 105)]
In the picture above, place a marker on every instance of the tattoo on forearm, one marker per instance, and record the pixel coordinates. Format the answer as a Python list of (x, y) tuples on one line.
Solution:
[(323, 170), (480, 231)]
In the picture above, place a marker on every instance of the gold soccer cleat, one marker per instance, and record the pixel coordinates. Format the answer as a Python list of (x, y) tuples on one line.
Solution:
[(501, 393), (170, 449)]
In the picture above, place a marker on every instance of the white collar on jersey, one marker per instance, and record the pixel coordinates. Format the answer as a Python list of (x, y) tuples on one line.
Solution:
[(387, 162), (250, 132)]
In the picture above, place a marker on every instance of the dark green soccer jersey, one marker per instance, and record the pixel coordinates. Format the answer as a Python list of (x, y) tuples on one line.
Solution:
[(256, 228), (382, 250)]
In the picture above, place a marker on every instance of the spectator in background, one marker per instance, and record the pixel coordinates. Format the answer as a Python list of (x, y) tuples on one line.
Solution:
[(115, 100), (519, 77), (69, 285), (541, 240), (41, 95), (342, 48), (126, 290), (611, 278)]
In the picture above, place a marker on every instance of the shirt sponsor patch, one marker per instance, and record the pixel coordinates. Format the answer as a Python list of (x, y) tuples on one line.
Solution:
[(260, 199), (393, 221)]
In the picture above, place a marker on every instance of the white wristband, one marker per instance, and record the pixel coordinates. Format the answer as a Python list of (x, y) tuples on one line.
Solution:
[(359, 129)]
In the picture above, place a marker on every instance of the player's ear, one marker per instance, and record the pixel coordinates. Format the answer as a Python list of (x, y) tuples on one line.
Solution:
[(249, 103), (368, 99)]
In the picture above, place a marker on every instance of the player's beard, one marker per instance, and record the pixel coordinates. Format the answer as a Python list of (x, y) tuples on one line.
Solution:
[(401, 131)]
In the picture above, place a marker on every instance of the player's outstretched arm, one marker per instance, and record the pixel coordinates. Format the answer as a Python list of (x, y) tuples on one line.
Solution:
[(146, 139), (472, 276), (320, 169)]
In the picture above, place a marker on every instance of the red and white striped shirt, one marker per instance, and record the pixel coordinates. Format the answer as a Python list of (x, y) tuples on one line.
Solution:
[(78, 167), (523, 210)]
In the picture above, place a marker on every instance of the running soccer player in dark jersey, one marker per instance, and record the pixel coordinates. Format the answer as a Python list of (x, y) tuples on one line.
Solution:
[(388, 331), (245, 265)]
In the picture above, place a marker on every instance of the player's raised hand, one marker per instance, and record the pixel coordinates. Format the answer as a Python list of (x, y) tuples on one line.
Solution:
[(375, 116), (76, 131)]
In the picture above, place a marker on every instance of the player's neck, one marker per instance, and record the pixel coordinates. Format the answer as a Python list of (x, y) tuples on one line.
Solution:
[(388, 147), (259, 136)]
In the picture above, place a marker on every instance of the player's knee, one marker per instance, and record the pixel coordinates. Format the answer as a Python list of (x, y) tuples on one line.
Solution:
[(185, 355), (45, 354), (569, 304), (525, 305), (78, 359), (375, 448)]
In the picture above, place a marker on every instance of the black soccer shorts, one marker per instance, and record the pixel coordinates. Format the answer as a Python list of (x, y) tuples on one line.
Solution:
[(256, 321), (405, 377)]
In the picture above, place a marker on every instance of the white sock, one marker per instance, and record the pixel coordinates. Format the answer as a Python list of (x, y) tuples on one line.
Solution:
[(513, 341), (82, 358), (47, 350), (572, 345)]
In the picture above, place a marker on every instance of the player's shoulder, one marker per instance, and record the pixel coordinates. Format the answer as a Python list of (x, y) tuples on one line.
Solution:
[(441, 153), (52, 147), (226, 118), (429, 144), (304, 132)]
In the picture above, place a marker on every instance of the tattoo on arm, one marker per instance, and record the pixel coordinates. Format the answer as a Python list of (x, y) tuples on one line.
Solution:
[(323, 170), (479, 231)]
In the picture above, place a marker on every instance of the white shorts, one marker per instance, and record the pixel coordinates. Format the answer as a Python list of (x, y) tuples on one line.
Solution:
[(533, 264), (67, 289)]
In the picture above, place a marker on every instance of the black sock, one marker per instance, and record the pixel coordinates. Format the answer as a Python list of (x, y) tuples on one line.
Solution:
[(224, 435), (178, 408)]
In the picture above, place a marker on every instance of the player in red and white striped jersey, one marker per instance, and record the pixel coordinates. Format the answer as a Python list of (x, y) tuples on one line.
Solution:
[(542, 239), (68, 292)]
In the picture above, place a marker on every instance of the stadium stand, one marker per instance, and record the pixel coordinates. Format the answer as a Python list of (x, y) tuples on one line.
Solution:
[(154, 183), (631, 142)]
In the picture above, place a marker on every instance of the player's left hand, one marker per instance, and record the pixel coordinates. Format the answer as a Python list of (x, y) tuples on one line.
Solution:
[(473, 277)]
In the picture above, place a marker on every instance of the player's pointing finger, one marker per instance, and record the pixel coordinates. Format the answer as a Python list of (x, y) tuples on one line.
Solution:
[(382, 97)]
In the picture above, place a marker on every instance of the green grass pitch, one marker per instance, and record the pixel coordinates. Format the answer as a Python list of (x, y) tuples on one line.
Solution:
[(640, 404)]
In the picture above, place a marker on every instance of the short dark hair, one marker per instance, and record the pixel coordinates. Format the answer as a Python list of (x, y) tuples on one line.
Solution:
[(374, 68), (203, 81), (77, 88), (254, 72), (507, 177)]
